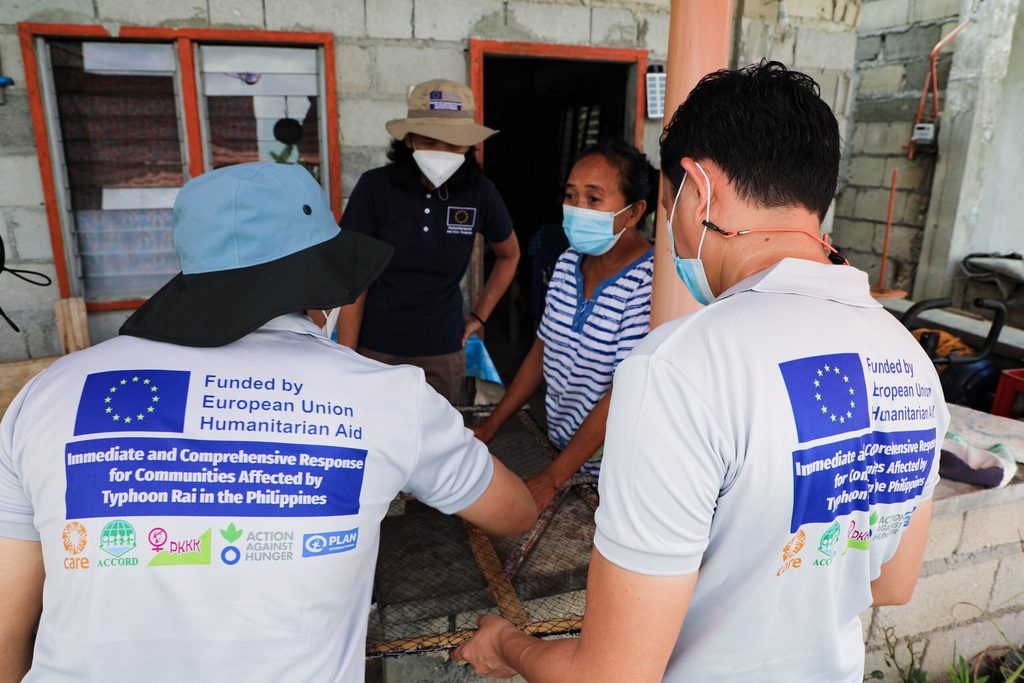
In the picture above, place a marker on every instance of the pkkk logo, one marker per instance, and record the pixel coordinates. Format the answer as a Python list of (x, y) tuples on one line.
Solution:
[(828, 395), (132, 401), (329, 542), (157, 538), (75, 538), (184, 551), (790, 552)]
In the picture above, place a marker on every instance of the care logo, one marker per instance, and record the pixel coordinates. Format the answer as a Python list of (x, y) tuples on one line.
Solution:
[(827, 545), (790, 552), (75, 539)]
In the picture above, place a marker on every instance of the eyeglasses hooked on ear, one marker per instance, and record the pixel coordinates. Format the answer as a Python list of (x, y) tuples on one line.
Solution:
[(829, 249)]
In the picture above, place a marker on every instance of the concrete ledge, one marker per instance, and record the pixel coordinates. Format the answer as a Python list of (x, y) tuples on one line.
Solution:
[(969, 327)]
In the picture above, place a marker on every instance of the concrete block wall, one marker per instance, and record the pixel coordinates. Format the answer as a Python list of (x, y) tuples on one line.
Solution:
[(895, 39), (381, 47), (817, 37), (971, 585)]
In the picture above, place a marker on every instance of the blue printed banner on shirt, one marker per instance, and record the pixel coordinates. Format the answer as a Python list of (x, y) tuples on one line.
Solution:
[(828, 395), (133, 401), (838, 478), (139, 476)]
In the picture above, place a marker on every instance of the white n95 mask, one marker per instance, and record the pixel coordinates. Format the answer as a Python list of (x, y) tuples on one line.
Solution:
[(438, 167)]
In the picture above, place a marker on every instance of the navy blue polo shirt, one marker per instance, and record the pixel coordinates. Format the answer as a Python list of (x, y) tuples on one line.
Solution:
[(415, 307)]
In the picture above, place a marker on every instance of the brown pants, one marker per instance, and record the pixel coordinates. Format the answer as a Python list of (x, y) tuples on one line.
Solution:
[(446, 373)]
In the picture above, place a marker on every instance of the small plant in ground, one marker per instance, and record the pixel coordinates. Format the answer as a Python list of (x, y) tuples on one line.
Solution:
[(960, 671), (911, 672)]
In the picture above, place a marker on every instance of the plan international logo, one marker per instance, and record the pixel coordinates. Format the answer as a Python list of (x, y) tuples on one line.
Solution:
[(828, 395), (133, 401)]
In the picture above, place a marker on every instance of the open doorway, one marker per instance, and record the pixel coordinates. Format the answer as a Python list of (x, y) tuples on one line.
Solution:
[(550, 103)]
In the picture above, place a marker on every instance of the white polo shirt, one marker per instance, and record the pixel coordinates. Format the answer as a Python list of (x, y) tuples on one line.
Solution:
[(777, 441), (213, 514)]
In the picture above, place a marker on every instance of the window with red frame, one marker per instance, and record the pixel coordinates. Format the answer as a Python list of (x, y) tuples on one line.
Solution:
[(116, 120)]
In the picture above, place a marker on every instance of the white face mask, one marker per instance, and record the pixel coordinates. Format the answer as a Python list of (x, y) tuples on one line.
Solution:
[(438, 167)]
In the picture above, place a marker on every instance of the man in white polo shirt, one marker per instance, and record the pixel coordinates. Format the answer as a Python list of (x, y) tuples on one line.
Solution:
[(204, 493), (770, 459)]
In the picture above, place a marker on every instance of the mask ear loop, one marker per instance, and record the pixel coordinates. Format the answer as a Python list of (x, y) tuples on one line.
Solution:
[(42, 281), (707, 209), (672, 217)]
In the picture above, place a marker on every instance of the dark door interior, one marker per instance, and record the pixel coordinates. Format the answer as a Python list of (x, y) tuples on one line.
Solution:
[(547, 112)]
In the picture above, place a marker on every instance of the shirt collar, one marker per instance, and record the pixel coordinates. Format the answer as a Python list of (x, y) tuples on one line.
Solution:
[(842, 284), (293, 322)]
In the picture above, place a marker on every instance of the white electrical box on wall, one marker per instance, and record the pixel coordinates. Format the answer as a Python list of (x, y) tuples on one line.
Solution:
[(655, 94), (924, 134)]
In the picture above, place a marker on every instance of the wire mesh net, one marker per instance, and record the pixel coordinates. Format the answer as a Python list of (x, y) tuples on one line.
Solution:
[(437, 574)]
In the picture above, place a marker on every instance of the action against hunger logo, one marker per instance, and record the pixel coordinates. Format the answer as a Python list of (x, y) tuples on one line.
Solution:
[(133, 401), (827, 393)]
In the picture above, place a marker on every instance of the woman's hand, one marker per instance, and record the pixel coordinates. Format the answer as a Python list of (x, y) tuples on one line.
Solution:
[(484, 431), (543, 489), (483, 650), (471, 326)]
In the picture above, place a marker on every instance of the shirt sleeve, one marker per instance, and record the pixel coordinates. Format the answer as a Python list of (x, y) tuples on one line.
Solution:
[(662, 472), (359, 214), (636, 319), (497, 223), (453, 468), (941, 427), (16, 513)]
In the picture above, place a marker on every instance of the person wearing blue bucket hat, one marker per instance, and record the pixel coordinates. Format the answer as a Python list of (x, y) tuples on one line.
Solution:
[(200, 498)]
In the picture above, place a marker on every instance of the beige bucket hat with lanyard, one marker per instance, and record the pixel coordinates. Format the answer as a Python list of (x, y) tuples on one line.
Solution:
[(442, 110)]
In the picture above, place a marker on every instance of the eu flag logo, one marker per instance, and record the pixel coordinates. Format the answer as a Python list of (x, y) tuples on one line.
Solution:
[(133, 401), (827, 394)]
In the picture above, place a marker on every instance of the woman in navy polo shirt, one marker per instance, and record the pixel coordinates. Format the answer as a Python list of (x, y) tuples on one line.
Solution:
[(429, 202), (598, 307)]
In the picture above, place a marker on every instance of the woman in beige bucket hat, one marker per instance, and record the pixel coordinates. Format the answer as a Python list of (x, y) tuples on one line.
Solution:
[(429, 202)]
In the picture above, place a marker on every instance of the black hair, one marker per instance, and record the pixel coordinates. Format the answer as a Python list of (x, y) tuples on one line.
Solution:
[(638, 179), (403, 171), (767, 128)]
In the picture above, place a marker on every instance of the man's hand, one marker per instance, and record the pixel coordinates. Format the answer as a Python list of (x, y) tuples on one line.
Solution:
[(484, 431), (543, 489), (483, 650), (471, 326)]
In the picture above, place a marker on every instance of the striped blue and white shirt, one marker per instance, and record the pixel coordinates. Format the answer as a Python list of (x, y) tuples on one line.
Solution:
[(586, 339)]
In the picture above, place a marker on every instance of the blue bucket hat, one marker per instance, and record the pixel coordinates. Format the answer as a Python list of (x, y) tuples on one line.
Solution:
[(255, 241)]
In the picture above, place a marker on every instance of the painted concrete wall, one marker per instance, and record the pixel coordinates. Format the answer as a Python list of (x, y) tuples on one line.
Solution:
[(893, 47), (381, 47), (970, 142), (1000, 225)]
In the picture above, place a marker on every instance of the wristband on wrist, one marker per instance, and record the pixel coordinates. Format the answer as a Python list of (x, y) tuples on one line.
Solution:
[(479, 319)]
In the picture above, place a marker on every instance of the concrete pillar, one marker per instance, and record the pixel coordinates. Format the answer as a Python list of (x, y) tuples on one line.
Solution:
[(698, 43), (970, 147)]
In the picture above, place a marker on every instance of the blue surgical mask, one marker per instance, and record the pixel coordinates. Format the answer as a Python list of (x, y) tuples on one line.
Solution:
[(691, 270), (589, 231)]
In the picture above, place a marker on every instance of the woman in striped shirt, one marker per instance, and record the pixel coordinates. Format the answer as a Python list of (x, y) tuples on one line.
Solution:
[(597, 308)]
